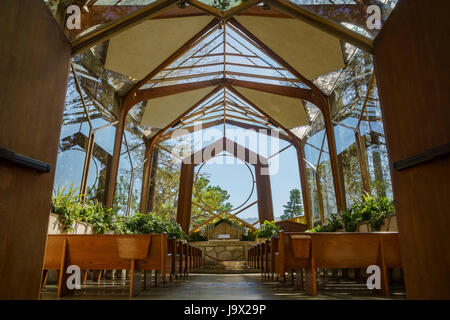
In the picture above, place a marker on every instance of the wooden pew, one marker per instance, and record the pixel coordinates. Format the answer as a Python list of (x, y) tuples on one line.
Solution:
[(175, 257), (258, 256), (187, 259), (265, 252), (101, 252), (197, 254), (309, 251), (182, 258), (271, 257)]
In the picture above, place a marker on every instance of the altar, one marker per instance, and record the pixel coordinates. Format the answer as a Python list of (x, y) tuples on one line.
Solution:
[(223, 242), (223, 230)]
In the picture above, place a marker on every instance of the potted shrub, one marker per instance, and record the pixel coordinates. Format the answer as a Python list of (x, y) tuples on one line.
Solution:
[(267, 230), (150, 223)]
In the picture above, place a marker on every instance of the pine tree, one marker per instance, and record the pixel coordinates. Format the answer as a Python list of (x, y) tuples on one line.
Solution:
[(294, 207)]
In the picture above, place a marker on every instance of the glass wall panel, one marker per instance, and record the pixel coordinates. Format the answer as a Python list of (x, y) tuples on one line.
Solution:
[(315, 207), (326, 184), (349, 162), (76, 130), (166, 184), (373, 139), (129, 178)]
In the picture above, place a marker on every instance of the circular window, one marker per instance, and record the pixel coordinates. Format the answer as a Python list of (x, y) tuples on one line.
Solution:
[(237, 175)]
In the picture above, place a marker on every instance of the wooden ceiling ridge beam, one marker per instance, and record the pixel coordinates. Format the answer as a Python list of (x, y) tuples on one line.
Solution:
[(251, 75), (158, 92), (293, 92), (184, 77)]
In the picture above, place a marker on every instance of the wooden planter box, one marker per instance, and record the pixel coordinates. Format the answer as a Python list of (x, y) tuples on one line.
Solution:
[(55, 226), (390, 224)]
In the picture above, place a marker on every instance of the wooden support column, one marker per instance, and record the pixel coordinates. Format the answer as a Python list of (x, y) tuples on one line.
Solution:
[(152, 187), (111, 188), (34, 69), (418, 79), (146, 176), (304, 184), (185, 196), (264, 191), (362, 162), (87, 165), (338, 178)]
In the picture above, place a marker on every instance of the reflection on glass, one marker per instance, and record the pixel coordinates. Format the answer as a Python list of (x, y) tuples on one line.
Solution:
[(74, 138), (315, 207), (349, 162), (96, 13), (352, 14)]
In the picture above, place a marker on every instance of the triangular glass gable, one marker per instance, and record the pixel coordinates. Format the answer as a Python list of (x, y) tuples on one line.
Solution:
[(224, 52)]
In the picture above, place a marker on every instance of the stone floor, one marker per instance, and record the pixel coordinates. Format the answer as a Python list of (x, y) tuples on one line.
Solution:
[(225, 287)]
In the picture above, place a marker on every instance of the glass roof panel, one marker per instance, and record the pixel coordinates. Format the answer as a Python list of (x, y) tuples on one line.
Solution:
[(225, 52)]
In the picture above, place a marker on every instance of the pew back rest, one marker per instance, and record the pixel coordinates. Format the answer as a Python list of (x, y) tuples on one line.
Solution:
[(157, 254), (85, 251), (274, 242), (171, 245), (342, 250), (96, 251), (353, 250)]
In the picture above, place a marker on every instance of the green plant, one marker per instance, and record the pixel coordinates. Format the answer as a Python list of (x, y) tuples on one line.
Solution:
[(65, 204), (385, 208), (268, 229), (332, 224), (150, 223), (371, 209), (350, 218), (294, 207), (251, 236)]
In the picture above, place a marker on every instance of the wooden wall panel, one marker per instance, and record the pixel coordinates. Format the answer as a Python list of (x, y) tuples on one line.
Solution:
[(34, 66), (412, 67)]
